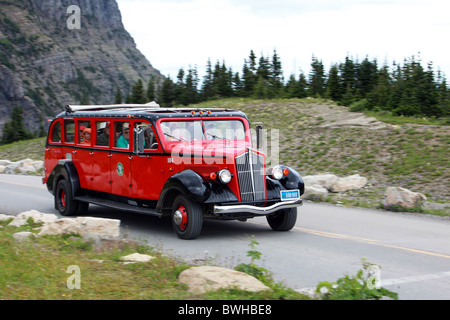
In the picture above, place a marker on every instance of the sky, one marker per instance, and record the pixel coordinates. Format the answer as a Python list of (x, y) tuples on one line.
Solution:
[(175, 34)]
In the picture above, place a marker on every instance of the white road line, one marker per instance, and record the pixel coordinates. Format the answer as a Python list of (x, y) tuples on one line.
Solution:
[(390, 282), (24, 184), (425, 277)]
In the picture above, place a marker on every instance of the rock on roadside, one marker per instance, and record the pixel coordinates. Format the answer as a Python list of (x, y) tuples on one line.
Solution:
[(210, 278), (24, 166), (402, 197)]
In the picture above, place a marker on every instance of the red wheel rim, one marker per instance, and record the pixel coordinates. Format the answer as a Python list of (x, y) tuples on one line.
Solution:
[(63, 198), (180, 217)]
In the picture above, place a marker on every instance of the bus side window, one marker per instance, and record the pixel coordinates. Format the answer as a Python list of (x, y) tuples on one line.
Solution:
[(102, 131), (84, 132), (69, 131), (56, 133), (150, 138)]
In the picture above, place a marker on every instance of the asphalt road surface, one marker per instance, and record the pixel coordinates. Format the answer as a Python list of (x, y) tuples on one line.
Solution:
[(327, 243)]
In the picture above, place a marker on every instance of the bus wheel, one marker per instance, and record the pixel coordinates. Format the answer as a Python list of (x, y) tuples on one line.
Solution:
[(187, 218), (283, 220), (63, 199)]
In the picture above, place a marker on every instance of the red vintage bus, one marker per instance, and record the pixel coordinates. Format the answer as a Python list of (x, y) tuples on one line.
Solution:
[(189, 164)]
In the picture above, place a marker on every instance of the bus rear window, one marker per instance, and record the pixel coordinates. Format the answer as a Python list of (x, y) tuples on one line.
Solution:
[(55, 135)]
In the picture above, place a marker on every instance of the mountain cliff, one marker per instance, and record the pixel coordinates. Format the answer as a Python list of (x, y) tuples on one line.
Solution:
[(58, 52)]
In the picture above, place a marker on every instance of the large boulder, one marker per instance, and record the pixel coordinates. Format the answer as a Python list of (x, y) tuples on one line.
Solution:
[(397, 196), (315, 192), (349, 183), (209, 278), (84, 226), (323, 180), (38, 217), (332, 183)]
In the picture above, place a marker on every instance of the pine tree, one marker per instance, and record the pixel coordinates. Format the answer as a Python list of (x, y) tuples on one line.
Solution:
[(348, 76), (151, 92), (334, 89), (207, 90), (138, 93), (118, 96), (379, 95), (249, 77), (276, 75), (366, 75), (14, 130), (316, 79), (191, 91), (263, 68), (167, 92)]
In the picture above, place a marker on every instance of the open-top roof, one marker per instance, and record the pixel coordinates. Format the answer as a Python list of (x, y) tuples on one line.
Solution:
[(151, 110)]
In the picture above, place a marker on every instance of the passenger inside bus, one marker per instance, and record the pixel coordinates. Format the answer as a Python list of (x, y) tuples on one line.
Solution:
[(123, 141)]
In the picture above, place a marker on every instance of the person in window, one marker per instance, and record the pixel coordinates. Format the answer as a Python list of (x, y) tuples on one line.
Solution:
[(123, 140), (86, 136), (103, 137)]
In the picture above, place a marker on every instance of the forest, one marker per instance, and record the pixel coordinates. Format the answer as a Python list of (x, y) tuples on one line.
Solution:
[(401, 89), (404, 89)]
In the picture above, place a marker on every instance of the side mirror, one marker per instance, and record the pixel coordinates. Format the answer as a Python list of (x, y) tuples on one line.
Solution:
[(138, 145), (259, 135)]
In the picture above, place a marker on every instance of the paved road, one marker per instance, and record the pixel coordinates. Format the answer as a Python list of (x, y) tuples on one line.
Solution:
[(328, 242)]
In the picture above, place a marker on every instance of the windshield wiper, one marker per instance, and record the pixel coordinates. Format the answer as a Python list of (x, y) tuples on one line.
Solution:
[(173, 137), (216, 137)]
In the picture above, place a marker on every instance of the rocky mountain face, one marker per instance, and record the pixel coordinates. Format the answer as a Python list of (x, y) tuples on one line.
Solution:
[(58, 52)]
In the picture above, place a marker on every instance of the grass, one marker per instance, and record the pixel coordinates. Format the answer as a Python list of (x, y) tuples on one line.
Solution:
[(38, 269), (32, 149)]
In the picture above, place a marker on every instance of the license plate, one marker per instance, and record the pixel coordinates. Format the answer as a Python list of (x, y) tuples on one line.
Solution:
[(287, 195)]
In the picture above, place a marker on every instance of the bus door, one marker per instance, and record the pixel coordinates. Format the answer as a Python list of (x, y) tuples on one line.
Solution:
[(100, 179), (121, 157), (147, 169)]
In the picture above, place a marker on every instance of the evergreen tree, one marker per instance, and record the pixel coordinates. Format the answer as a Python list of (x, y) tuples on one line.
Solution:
[(249, 77), (167, 92), (151, 92), (334, 89), (138, 93), (379, 95), (348, 76), (207, 90), (276, 75), (366, 75), (261, 88), (191, 91), (118, 96), (316, 79), (14, 130), (180, 88), (263, 68)]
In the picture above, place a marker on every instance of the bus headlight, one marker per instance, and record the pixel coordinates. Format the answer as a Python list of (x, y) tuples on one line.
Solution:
[(224, 176), (276, 172)]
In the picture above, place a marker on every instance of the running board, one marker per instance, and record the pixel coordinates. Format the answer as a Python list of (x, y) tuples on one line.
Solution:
[(118, 205)]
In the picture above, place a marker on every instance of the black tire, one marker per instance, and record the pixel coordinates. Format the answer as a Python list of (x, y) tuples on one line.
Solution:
[(64, 202), (283, 220), (190, 225)]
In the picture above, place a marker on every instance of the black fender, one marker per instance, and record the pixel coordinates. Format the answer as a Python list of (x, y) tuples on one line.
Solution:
[(292, 181), (186, 182), (64, 170)]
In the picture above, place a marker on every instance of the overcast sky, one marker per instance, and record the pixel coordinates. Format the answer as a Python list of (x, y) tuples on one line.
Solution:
[(182, 33)]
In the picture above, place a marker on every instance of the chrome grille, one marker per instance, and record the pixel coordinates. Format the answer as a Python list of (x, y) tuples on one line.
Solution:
[(250, 169)]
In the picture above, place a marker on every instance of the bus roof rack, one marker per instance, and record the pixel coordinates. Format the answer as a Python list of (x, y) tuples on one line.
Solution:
[(74, 108)]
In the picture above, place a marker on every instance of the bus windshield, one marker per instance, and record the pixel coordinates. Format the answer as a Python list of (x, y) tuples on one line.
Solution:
[(196, 130)]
